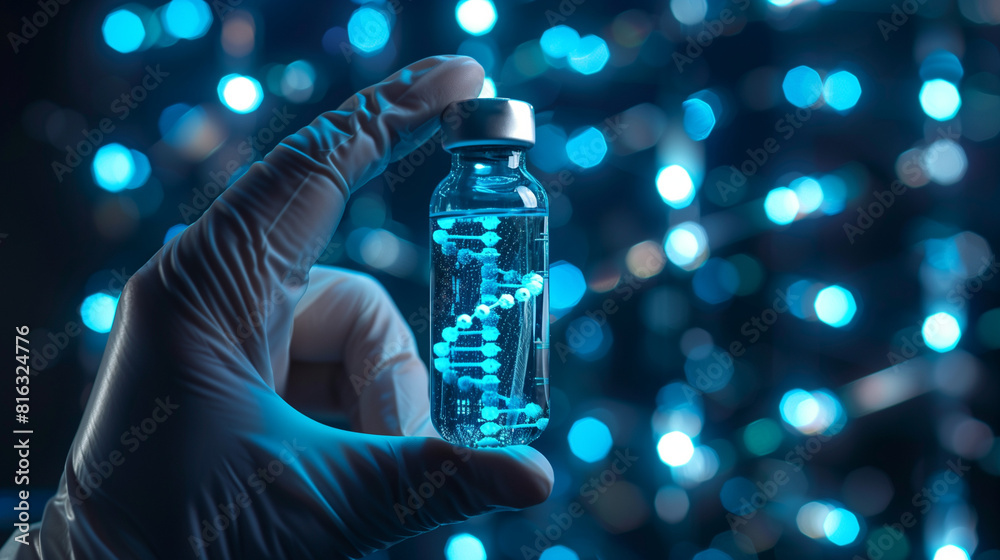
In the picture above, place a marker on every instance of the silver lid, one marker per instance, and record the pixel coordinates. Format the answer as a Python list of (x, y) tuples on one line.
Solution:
[(491, 121)]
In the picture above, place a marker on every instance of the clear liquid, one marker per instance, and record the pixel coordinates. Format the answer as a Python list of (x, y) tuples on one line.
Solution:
[(489, 328)]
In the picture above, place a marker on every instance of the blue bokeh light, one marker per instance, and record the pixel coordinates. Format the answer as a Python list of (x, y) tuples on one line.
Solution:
[(675, 448), (141, 170), (566, 285), (173, 231), (834, 194), (476, 17), (123, 30), (736, 495), (941, 64), (941, 332), (842, 90), (841, 527), (799, 408), (187, 19), (588, 339), (559, 41), (951, 552), (699, 119), (98, 312), (589, 439), (171, 116), (368, 30), (686, 245), (464, 546), (675, 186), (716, 281), (781, 206), (590, 55), (835, 306), (940, 99), (587, 148), (114, 167), (809, 193), (240, 94), (802, 86), (559, 552)]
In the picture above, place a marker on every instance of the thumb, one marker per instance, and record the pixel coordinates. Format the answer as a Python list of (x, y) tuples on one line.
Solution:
[(404, 486)]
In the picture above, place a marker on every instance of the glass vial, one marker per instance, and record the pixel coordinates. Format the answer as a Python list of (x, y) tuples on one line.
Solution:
[(489, 280)]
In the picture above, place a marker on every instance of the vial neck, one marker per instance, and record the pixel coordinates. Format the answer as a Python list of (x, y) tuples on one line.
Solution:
[(487, 160)]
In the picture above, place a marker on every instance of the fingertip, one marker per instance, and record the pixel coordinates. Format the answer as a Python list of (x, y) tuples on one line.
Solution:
[(532, 475)]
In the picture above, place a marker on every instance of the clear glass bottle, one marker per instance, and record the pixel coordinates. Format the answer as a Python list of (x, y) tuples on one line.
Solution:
[(489, 280)]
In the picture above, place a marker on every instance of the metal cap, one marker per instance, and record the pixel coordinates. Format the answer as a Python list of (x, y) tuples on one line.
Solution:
[(491, 121)]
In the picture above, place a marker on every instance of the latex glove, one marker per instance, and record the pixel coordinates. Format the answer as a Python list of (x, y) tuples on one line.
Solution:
[(188, 446)]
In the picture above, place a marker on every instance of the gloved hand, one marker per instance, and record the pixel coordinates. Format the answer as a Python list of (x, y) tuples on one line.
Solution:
[(193, 443)]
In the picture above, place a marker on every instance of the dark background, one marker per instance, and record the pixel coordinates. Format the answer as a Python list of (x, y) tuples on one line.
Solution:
[(63, 238)]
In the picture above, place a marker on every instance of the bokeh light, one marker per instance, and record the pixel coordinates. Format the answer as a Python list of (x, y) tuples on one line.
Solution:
[(98, 312), (802, 86), (781, 206), (699, 119), (566, 285), (940, 99), (809, 193), (476, 17), (951, 552), (368, 30), (762, 437), (187, 19), (559, 41), (675, 449), (589, 439), (464, 546), (559, 552), (687, 245), (675, 186), (835, 306), (114, 167), (842, 90), (240, 94), (123, 30), (587, 148), (941, 332), (590, 55), (841, 527)]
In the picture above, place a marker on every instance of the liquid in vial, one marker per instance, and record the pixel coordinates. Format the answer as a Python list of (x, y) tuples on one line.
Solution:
[(489, 323)]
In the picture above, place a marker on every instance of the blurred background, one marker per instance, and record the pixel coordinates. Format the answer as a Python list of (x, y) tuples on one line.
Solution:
[(775, 311)]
